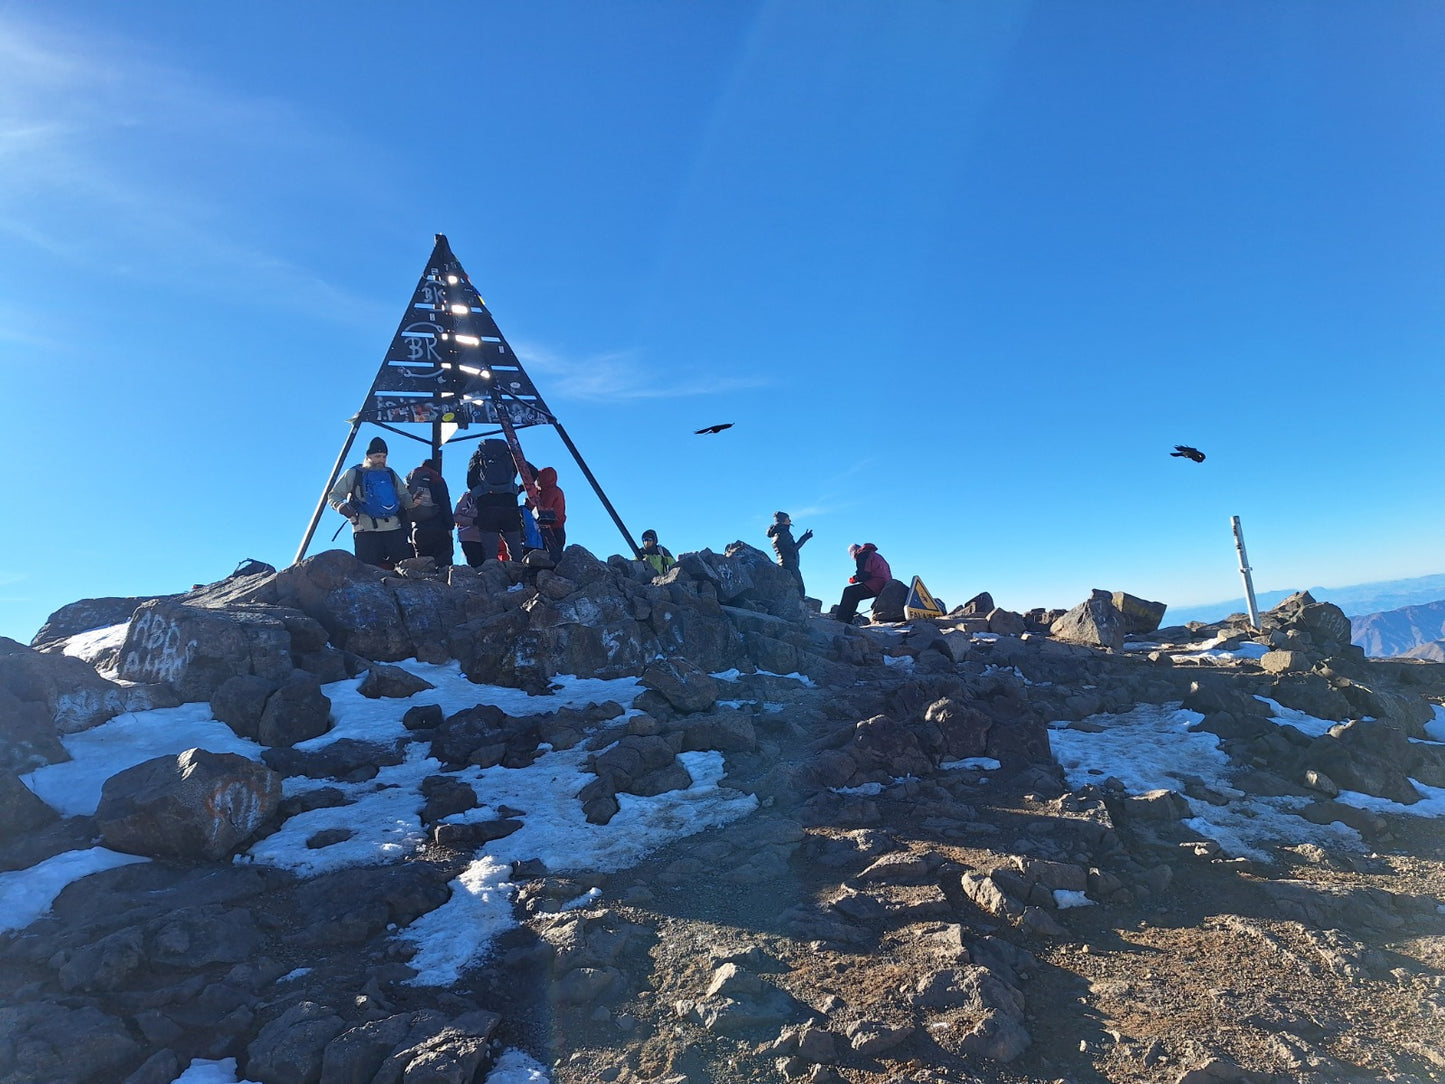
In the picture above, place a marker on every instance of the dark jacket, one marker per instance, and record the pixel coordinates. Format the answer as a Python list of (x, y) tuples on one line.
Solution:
[(783, 544), (441, 497)]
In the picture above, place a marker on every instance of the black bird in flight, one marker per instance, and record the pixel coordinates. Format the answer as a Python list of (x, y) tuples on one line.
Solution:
[(713, 429), (1186, 452)]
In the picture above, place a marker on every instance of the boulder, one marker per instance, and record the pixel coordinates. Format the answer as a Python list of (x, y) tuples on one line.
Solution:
[(196, 804), (392, 682), (591, 632), (297, 711), (888, 603), (1095, 621), (86, 615), (27, 735), (1140, 615), (1284, 662), (354, 602), (458, 1052), (953, 644), (46, 1040), (980, 605), (72, 695), (501, 649), (747, 576), (291, 1047), (20, 810), (685, 686), (1006, 623), (239, 701), (1365, 756), (194, 650)]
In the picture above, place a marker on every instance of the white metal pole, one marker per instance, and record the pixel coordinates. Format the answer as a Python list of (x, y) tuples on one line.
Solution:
[(1244, 571)]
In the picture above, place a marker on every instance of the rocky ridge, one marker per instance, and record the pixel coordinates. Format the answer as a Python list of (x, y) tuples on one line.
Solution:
[(921, 894)]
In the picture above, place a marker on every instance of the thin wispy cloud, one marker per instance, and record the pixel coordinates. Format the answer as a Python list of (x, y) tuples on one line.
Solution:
[(131, 167), (620, 375)]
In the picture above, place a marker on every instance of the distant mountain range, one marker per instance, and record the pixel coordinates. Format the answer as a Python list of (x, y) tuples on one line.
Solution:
[(1368, 606), (1417, 631)]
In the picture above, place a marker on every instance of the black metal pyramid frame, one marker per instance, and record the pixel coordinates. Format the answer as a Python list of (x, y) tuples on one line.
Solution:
[(449, 368)]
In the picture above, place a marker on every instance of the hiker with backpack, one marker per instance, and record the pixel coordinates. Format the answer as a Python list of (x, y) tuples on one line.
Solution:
[(493, 488), (431, 514), (870, 577), (551, 505), (781, 532), (373, 499), (468, 533), (654, 556)]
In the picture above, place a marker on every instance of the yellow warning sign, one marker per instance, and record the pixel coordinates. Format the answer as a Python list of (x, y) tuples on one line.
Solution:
[(920, 603)]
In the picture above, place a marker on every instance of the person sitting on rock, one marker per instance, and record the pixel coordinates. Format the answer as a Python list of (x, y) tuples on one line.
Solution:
[(654, 555), (867, 580), (781, 532)]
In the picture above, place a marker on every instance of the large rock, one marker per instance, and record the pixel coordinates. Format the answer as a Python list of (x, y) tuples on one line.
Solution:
[(751, 578), (355, 603), (194, 650), (888, 603), (592, 631), (1324, 623), (239, 701), (20, 810), (1095, 621), (290, 1049), (297, 711), (685, 686), (1140, 615), (1365, 756), (86, 615), (27, 735), (49, 1041), (501, 650), (71, 694), (196, 804)]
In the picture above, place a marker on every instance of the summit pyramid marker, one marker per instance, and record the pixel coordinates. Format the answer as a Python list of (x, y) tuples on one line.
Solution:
[(449, 368)]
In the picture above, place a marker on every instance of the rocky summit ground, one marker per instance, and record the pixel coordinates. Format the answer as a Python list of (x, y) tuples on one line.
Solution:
[(922, 894)]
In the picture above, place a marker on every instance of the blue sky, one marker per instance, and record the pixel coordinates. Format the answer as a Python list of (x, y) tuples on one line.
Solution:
[(960, 274)]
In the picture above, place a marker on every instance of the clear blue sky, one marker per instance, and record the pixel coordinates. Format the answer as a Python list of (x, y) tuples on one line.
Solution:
[(961, 275)]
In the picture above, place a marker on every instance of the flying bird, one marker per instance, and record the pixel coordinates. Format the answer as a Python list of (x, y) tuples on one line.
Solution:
[(713, 429), (1186, 452)]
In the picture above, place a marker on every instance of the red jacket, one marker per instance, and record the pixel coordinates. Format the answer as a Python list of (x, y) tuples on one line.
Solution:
[(873, 571), (549, 498)]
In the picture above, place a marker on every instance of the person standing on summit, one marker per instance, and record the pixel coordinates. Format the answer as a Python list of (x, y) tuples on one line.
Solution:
[(431, 514), (493, 486), (372, 498), (871, 576), (781, 532), (551, 505)]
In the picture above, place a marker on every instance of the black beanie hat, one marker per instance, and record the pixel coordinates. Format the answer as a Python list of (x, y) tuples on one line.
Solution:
[(376, 445)]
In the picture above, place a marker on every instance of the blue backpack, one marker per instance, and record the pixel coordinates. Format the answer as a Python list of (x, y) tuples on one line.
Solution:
[(376, 492)]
